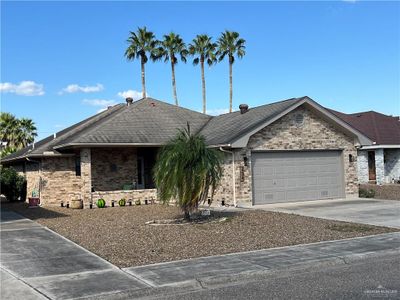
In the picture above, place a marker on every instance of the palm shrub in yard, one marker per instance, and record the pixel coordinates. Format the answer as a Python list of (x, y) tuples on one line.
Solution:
[(187, 171)]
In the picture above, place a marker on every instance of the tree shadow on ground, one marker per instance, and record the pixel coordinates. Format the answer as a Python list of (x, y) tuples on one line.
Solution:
[(36, 213)]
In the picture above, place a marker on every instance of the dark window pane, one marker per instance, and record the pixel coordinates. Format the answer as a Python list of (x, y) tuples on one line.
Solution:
[(77, 165)]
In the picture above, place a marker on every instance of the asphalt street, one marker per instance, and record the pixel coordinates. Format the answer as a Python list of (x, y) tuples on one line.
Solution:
[(369, 278)]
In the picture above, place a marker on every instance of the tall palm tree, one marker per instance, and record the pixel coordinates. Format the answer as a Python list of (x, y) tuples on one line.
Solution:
[(204, 50), (231, 45), (171, 46), (142, 45), (187, 170)]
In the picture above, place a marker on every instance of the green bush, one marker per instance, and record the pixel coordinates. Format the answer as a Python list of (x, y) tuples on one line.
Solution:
[(13, 186), (365, 193)]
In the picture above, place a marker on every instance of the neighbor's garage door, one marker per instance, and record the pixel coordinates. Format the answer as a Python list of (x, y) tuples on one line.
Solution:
[(296, 176)]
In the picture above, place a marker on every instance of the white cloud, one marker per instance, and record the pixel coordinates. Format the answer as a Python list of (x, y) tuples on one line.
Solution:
[(98, 102), (136, 95), (24, 88), (75, 88), (217, 111), (102, 103)]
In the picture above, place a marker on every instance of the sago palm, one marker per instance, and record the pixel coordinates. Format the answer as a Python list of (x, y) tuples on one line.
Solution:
[(187, 171), (230, 45), (204, 50), (170, 47), (142, 45)]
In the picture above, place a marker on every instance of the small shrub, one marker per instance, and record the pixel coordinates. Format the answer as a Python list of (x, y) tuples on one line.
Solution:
[(101, 203), (13, 186), (366, 193), (137, 202), (122, 202)]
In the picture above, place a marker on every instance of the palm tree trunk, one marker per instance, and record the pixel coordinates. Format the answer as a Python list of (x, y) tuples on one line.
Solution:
[(174, 83), (230, 87), (143, 79), (203, 82)]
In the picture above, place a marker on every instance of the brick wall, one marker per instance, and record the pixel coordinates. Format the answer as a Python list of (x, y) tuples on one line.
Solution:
[(58, 180), (112, 168), (133, 195), (392, 164), (314, 134)]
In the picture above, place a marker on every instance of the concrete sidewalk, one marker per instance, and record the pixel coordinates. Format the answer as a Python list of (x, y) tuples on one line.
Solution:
[(37, 263), (217, 268)]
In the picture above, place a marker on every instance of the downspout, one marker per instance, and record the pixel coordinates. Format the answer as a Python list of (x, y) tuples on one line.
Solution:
[(233, 174)]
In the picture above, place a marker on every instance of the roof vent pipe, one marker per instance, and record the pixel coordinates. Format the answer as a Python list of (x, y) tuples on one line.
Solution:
[(129, 101), (243, 108)]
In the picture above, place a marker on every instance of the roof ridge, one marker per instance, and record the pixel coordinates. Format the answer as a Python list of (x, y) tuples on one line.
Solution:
[(175, 106)]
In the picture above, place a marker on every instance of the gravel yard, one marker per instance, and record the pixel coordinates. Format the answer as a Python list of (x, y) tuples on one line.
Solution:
[(120, 235)]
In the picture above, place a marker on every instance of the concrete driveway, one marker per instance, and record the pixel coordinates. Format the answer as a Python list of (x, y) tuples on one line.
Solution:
[(37, 263), (360, 210)]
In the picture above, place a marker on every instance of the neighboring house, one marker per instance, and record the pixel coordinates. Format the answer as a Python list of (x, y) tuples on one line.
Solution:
[(378, 162), (280, 152)]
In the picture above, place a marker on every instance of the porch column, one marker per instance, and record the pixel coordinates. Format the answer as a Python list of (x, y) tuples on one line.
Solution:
[(86, 175), (379, 166)]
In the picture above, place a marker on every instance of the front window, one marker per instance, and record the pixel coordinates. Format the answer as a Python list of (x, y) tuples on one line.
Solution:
[(77, 165)]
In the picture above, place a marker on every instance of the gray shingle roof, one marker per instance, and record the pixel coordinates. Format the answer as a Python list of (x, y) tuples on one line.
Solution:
[(223, 129), (146, 121), (153, 122)]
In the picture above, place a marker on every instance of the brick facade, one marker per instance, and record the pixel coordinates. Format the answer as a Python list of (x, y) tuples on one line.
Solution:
[(113, 168), (314, 134), (106, 170)]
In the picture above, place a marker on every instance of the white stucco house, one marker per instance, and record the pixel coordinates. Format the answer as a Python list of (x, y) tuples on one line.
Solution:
[(379, 162)]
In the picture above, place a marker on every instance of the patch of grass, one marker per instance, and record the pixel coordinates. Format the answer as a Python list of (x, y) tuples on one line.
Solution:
[(350, 227)]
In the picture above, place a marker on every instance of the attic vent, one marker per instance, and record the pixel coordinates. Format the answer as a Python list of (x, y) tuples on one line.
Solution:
[(243, 108), (129, 101), (299, 120)]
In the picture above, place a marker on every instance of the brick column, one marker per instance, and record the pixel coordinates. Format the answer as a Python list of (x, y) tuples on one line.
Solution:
[(379, 166), (362, 164), (86, 175)]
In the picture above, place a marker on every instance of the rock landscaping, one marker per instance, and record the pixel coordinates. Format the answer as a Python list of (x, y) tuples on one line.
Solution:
[(121, 235)]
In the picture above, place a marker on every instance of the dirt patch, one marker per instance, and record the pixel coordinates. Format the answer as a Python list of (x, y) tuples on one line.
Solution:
[(386, 191), (121, 236)]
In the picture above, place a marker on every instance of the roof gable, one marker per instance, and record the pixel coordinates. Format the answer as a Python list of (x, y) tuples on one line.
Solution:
[(267, 114)]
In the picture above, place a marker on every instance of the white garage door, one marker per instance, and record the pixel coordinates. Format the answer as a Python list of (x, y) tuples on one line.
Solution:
[(296, 176)]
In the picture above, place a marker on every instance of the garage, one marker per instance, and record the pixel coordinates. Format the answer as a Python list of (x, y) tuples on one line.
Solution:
[(290, 176)]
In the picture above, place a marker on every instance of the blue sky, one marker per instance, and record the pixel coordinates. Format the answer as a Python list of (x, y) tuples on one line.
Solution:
[(63, 61)]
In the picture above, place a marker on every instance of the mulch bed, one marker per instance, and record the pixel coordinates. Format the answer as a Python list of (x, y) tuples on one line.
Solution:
[(121, 236)]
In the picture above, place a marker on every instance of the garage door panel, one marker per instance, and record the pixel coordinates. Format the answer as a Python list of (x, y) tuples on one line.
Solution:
[(294, 176)]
